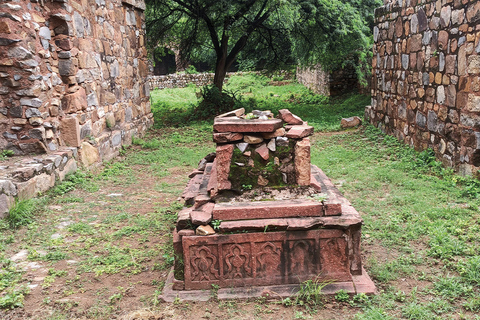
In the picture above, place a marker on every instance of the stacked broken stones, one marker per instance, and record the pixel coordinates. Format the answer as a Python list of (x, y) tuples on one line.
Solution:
[(223, 237)]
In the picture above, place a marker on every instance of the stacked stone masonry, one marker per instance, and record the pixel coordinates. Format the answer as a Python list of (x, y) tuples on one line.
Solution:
[(73, 74), (426, 77), (331, 83), (229, 235)]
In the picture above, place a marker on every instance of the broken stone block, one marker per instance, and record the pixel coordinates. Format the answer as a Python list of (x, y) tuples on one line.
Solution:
[(351, 122), (224, 137), (202, 215), (74, 102), (70, 132), (298, 132), (204, 230), (280, 132), (223, 159), (252, 139), (289, 117), (263, 152), (88, 154), (238, 112), (229, 124), (302, 162)]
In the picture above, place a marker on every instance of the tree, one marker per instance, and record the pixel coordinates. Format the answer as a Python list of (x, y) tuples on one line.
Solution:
[(329, 32)]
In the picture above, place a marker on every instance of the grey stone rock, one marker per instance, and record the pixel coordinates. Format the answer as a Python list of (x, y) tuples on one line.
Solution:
[(114, 69), (414, 24), (421, 120), (45, 44), (44, 33), (16, 112), (441, 94), (32, 112), (64, 55), (34, 102), (8, 135), (6, 42), (19, 53), (116, 139), (432, 121), (66, 67), (35, 121), (4, 90), (17, 77), (37, 133), (79, 25), (422, 20), (405, 61), (30, 63), (16, 128), (86, 130), (402, 110), (8, 188), (242, 146), (4, 111), (445, 15), (282, 141), (461, 40), (427, 35), (10, 16), (92, 99), (128, 114)]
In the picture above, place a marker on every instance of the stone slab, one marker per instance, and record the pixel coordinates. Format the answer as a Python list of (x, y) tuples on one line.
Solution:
[(265, 258), (298, 132), (230, 124), (203, 215), (192, 189), (289, 117), (267, 209), (224, 137)]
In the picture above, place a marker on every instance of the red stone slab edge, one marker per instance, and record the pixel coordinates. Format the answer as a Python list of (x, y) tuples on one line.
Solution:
[(267, 209), (359, 284), (244, 125)]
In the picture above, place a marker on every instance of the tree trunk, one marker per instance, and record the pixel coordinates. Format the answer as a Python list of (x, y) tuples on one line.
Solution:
[(220, 73)]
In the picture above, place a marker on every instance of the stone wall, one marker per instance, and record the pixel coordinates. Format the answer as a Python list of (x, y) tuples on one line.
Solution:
[(181, 80), (329, 83), (426, 84), (315, 79), (72, 73)]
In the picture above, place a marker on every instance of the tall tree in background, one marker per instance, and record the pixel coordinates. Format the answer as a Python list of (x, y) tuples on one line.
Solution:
[(329, 32)]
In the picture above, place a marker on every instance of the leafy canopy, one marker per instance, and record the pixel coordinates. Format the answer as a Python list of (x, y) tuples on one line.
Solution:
[(267, 32)]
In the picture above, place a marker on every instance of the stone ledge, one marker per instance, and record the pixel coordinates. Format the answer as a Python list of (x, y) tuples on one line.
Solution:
[(359, 284)]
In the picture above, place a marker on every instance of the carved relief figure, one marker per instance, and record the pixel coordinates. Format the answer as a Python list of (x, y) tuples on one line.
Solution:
[(203, 265), (269, 260), (237, 261)]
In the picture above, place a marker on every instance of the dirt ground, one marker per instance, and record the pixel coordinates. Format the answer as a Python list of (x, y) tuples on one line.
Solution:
[(77, 292)]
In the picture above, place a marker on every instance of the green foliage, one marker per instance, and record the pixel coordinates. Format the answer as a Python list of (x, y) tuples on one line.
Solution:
[(213, 103), (6, 153), (22, 213), (11, 292), (310, 293), (342, 296), (79, 179), (270, 34)]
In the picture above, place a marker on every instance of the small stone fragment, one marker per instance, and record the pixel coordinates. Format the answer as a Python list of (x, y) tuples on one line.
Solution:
[(289, 117), (272, 146), (238, 112), (242, 146), (282, 141), (252, 139), (351, 122), (204, 231), (280, 132), (247, 153), (223, 137), (263, 152), (298, 132), (262, 181)]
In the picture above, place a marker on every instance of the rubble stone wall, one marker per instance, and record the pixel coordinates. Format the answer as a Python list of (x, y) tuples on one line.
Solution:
[(72, 73), (181, 80), (329, 83), (426, 77)]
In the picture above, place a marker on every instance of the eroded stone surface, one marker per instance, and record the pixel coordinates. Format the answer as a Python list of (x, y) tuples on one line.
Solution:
[(242, 125)]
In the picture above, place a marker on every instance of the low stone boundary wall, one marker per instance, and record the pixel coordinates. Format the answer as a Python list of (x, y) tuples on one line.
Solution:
[(179, 80), (24, 178)]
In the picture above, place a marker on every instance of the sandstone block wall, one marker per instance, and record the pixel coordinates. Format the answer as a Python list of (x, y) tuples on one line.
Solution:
[(328, 83), (72, 73), (426, 77)]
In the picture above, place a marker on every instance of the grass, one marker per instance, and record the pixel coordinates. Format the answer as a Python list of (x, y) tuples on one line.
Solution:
[(254, 92), (420, 239)]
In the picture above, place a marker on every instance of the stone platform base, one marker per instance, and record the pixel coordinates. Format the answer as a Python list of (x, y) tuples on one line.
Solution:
[(358, 284)]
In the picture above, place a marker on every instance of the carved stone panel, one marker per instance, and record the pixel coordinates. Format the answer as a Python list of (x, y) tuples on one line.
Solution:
[(265, 258)]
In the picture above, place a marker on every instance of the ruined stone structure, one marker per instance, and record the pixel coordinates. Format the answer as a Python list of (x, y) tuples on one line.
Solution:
[(328, 83), (258, 214), (73, 87), (73, 73), (426, 77)]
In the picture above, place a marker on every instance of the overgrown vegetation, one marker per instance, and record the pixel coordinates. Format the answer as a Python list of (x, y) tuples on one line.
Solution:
[(420, 239), (252, 91)]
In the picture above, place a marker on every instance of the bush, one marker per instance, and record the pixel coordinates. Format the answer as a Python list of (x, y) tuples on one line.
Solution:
[(213, 103)]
